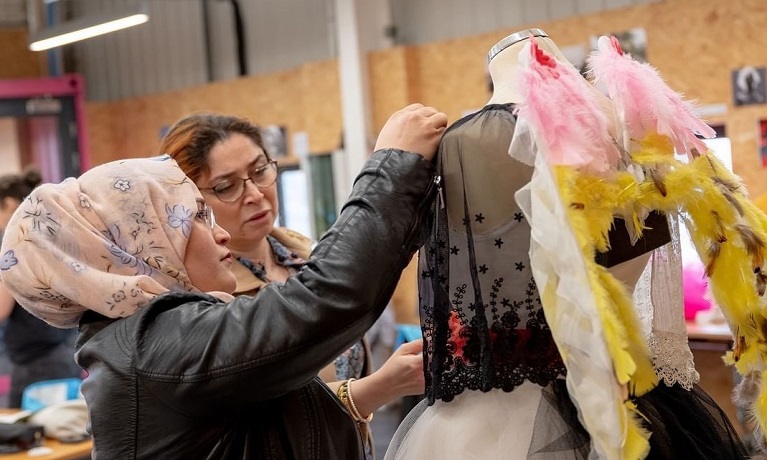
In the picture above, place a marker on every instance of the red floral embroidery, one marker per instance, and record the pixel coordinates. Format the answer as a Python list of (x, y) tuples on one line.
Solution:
[(458, 339)]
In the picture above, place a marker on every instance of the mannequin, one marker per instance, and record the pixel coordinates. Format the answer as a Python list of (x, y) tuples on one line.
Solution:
[(495, 383), (503, 63), (493, 374)]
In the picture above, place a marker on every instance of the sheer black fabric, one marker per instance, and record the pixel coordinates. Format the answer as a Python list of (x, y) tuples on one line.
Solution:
[(688, 424), (557, 429), (481, 314)]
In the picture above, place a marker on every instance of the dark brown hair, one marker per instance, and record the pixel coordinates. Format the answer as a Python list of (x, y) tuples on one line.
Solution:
[(18, 186), (191, 139)]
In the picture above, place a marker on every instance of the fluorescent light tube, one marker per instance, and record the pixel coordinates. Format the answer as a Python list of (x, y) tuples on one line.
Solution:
[(87, 27)]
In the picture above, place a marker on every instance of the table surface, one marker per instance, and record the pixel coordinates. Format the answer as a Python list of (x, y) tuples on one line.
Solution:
[(60, 451), (711, 332)]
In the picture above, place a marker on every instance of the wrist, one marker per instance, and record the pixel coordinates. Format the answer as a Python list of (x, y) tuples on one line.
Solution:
[(346, 395)]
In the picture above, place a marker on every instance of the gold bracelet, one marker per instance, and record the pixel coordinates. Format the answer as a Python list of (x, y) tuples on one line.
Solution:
[(343, 392), (355, 413)]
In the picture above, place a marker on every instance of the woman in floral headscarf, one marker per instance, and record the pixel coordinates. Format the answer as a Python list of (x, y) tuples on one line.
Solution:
[(131, 253)]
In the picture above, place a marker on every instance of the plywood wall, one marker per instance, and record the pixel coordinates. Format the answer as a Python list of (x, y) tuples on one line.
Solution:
[(303, 99), (694, 43), (16, 61)]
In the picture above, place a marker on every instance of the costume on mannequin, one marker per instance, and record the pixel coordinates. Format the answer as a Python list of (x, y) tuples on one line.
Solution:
[(495, 379)]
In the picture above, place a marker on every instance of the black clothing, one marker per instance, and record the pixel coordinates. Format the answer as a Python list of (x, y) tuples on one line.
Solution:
[(481, 314), (27, 337), (37, 352), (190, 376)]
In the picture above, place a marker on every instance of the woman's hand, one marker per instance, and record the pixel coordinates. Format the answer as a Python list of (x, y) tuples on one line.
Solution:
[(401, 375), (416, 128)]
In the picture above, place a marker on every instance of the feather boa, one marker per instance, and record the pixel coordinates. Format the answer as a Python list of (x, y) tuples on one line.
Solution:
[(570, 130), (728, 231)]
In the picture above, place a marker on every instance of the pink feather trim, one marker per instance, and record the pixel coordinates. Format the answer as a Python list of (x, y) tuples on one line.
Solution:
[(563, 109), (646, 103)]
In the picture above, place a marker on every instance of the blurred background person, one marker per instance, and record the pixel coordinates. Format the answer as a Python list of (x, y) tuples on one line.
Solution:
[(36, 350)]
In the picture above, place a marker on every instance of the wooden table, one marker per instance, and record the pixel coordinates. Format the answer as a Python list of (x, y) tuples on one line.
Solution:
[(60, 451), (708, 343), (719, 333), (75, 451)]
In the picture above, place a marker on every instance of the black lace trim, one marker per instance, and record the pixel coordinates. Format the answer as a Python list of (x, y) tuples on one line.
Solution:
[(502, 355)]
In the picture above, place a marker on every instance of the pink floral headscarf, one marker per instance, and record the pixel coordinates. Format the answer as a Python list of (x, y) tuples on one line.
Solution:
[(108, 241)]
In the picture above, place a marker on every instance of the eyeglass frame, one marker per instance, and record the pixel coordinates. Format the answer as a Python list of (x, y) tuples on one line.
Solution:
[(206, 215), (271, 163)]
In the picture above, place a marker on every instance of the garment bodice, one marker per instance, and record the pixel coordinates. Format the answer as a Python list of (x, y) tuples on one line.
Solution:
[(480, 309)]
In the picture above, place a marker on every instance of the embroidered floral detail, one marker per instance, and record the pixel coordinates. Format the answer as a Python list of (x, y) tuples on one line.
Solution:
[(459, 336), (122, 185), (78, 267), (42, 220), (9, 260), (116, 297), (180, 217), (46, 294), (132, 260), (84, 203)]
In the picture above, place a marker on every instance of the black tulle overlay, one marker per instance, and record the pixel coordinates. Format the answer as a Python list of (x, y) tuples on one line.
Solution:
[(688, 424)]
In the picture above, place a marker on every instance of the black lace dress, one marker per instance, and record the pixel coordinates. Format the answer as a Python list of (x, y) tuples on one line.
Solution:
[(495, 386)]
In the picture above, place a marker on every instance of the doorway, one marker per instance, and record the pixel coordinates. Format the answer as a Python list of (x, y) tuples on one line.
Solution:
[(42, 124)]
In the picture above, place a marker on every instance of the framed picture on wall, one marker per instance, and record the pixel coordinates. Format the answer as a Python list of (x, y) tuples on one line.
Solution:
[(748, 86), (633, 41), (275, 140)]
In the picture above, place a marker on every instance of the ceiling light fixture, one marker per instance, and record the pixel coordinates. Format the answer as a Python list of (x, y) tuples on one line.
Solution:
[(88, 27)]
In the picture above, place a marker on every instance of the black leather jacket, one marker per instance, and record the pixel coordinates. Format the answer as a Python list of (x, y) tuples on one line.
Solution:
[(191, 377)]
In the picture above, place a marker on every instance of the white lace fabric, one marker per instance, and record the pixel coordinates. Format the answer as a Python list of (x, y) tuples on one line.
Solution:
[(659, 301)]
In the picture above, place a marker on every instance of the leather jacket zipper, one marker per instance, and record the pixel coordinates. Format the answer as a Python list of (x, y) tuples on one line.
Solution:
[(434, 184)]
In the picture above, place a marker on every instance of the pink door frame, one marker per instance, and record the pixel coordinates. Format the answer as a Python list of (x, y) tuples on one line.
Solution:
[(66, 85)]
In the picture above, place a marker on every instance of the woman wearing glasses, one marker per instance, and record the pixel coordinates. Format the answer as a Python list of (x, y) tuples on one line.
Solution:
[(177, 367), (226, 158)]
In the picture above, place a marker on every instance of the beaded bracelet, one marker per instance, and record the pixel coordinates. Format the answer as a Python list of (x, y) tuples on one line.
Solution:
[(345, 395), (355, 413)]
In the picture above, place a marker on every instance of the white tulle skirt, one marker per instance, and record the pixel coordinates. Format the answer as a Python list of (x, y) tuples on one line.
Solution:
[(531, 422)]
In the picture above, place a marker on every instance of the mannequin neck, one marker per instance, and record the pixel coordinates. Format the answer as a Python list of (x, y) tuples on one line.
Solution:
[(504, 69), (504, 72)]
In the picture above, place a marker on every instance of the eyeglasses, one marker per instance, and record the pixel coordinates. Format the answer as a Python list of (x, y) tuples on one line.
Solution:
[(231, 190), (206, 215)]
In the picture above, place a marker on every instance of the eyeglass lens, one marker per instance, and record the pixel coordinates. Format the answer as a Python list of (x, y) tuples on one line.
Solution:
[(262, 176)]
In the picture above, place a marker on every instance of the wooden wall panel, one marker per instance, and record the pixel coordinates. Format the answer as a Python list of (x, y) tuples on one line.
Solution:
[(457, 74), (17, 60), (319, 103), (389, 75), (304, 99), (695, 56)]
